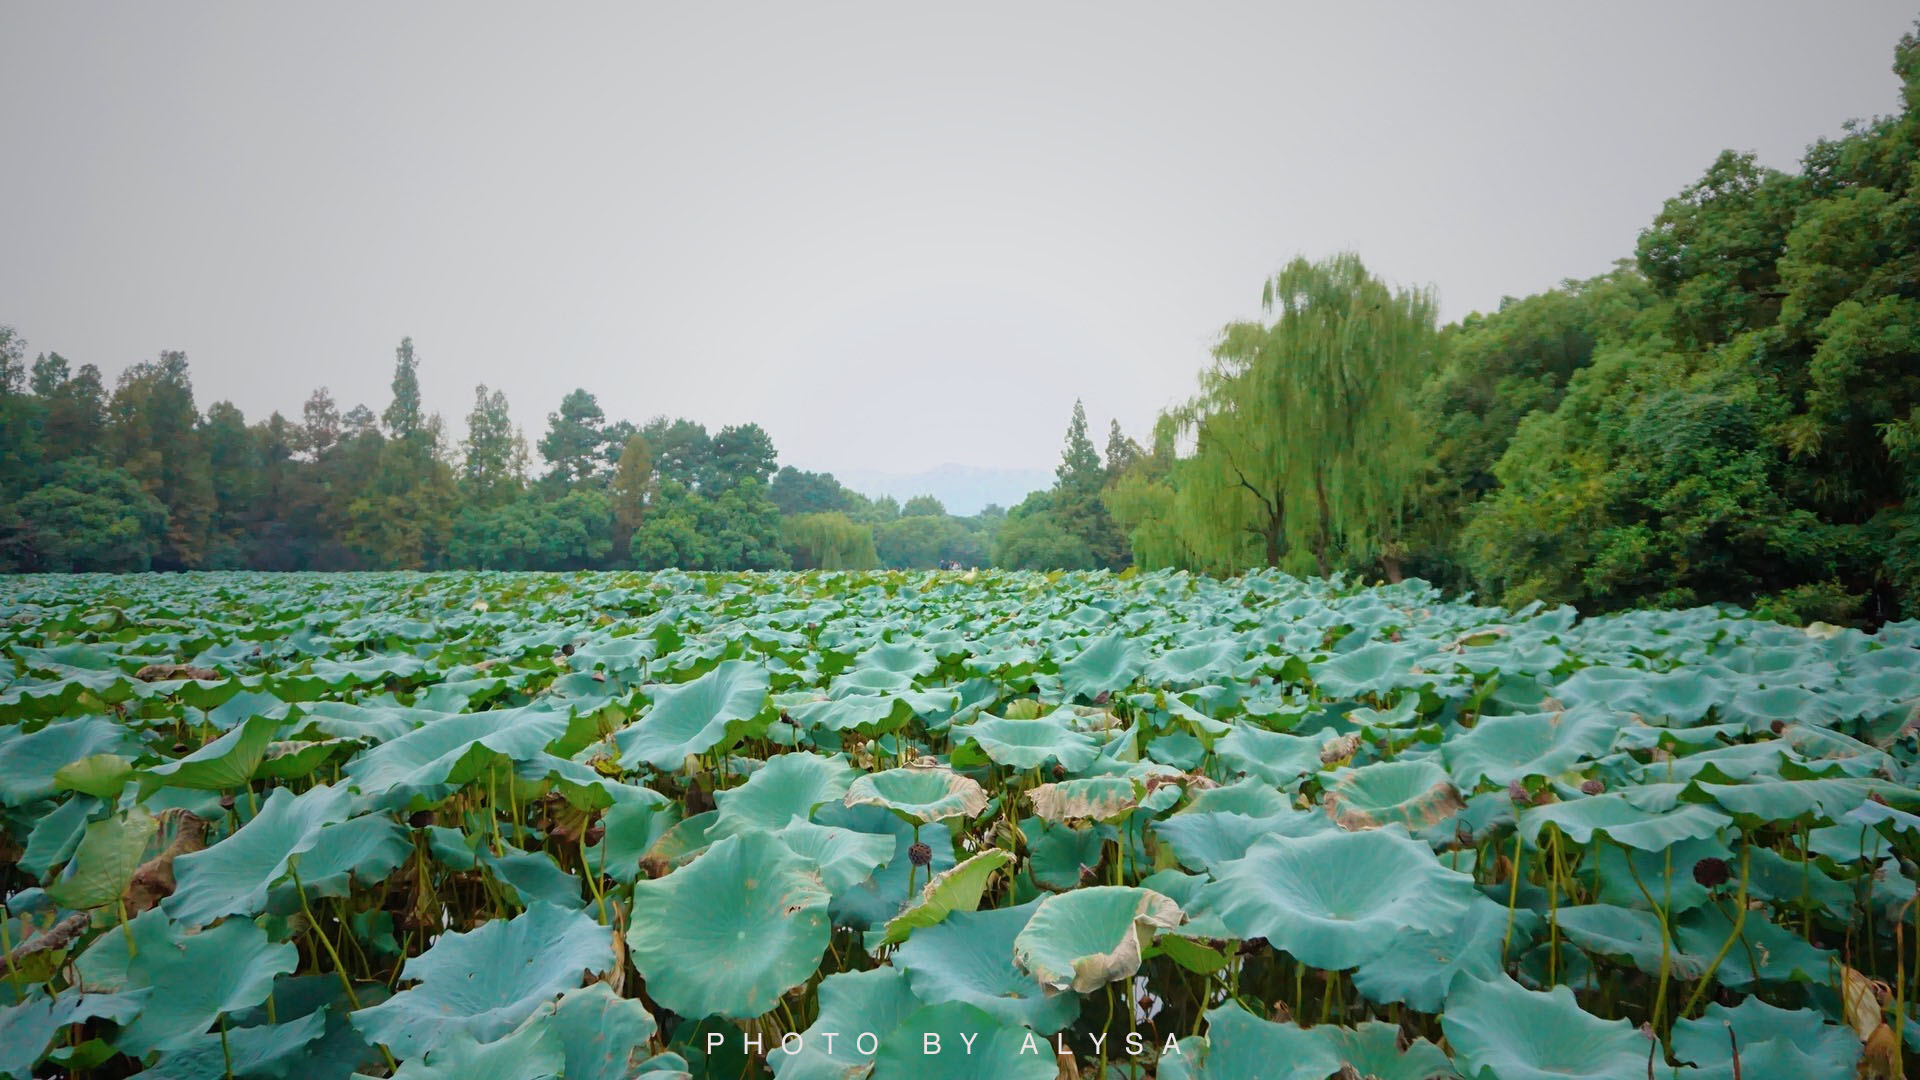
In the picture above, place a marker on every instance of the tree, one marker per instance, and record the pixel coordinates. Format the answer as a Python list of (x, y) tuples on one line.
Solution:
[(632, 486), (1122, 452), (320, 424), (682, 451), (154, 434), (92, 517), (1075, 505), (403, 416), (923, 506), (574, 434), (1034, 538), (20, 419), (828, 541), (494, 466), (234, 465), (74, 417), (796, 491), (739, 454)]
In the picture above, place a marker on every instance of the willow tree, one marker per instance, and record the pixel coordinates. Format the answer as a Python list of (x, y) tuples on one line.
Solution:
[(1306, 444)]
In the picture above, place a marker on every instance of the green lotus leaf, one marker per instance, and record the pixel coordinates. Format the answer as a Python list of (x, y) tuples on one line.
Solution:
[(1240, 1044), (194, 978), (1667, 873), (968, 958), (1028, 744), (233, 876), (1335, 899), (851, 1002), (27, 1026), (1617, 817), (602, 1036), (873, 902), (1089, 798), (225, 763), (57, 834), (1502, 749), (365, 849), (632, 829), (787, 787), (1500, 1030), (919, 795), (1774, 1042), (533, 876), (1773, 954), (267, 1050), (534, 1052), (1087, 938), (1206, 840), (1276, 757), (1373, 668), (1417, 967), (955, 1041), (845, 858), (1618, 932), (1411, 793), (1829, 799), (103, 776), (482, 983), (455, 749), (956, 889), (684, 840), (290, 760), (1373, 1049), (731, 931), (712, 712), (1106, 665), (1058, 854), (29, 762), (108, 855), (1247, 796)]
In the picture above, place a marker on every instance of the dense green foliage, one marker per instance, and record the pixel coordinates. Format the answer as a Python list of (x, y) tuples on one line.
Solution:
[(529, 826), (1734, 415)]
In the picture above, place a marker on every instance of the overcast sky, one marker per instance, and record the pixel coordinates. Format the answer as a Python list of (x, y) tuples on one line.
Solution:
[(895, 235)]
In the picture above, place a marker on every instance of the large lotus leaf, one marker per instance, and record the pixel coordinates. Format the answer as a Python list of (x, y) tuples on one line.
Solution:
[(1499, 1030), (1771, 953), (1417, 967), (265, 1050), (1502, 749), (28, 761), (1411, 793), (1619, 818), (232, 877), (851, 1002), (454, 749), (1240, 1044), (1618, 932), (1248, 796), (603, 1036), (1028, 744), (534, 1052), (1787, 1044), (919, 795), (789, 786), (1667, 874), (27, 1026), (955, 1041), (1787, 800), (844, 858), (1374, 668), (57, 834), (533, 876), (482, 983), (102, 776), (364, 849), (969, 958), (1274, 756), (1087, 938), (1335, 899), (1204, 841), (957, 889), (104, 863), (1058, 854), (632, 829), (731, 931), (1088, 798), (226, 762), (1373, 1049), (1106, 665), (711, 712), (873, 902), (194, 977)]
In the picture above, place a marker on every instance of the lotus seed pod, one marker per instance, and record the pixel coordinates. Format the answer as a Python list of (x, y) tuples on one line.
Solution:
[(1711, 872), (1592, 787), (920, 854)]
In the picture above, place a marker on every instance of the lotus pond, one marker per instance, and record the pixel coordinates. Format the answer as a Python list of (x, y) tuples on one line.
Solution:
[(515, 826)]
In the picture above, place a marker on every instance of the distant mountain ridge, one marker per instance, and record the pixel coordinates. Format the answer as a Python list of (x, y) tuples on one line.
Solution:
[(964, 490)]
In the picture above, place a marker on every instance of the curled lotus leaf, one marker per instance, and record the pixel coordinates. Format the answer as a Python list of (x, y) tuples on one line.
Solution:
[(951, 890), (919, 795), (1411, 793), (1336, 899), (1500, 1030), (711, 712), (1624, 820), (969, 958), (1087, 938), (1089, 798), (731, 931)]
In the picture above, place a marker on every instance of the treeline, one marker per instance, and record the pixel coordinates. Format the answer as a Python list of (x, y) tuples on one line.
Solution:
[(1732, 415), (139, 478)]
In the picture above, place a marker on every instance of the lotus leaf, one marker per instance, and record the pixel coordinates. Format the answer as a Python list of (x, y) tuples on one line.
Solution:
[(1084, 939)]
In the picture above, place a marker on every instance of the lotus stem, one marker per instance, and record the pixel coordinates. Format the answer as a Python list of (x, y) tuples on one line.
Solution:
[(1553, 905), (1513, 895), (593, 879), (1739, 922), (226, 1052), (1105, 1032), (1666, 937)]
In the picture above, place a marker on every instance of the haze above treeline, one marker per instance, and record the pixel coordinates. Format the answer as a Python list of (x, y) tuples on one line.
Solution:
[(1730, 415)]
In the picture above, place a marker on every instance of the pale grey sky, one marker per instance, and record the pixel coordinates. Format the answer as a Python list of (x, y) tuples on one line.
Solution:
[(896, 235)]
